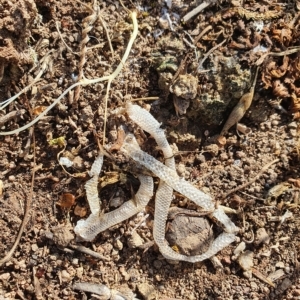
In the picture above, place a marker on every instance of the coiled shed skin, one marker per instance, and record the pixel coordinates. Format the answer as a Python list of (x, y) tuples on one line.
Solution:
[(164, 192), (96, 223), (169, 180)]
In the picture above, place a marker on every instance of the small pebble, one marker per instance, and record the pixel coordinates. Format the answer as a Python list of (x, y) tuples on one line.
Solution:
[(286, 283), (124, 273), (76, 36), (116, 202), (276, 275), (11, 178), (134, 240), (147, 291), (262, 237), (157, 264), (223, 156), (33, 262), (292, 125), (254, 286), (245, 260), (34, 247), (238, 250), (79, 272), (4, 276), (226, 260), (212, 149), (240, 154), (65, 276), (191, 297), (118, 244), (78, 163), (53, 257), (280, 265), (293, 132), (161, 288)]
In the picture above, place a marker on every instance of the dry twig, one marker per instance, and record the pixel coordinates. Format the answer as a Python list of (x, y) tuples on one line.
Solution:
[(86, 28), (83, 81), (195, 11), (88, 251), (264, 169), (200, 66), (8, 256)]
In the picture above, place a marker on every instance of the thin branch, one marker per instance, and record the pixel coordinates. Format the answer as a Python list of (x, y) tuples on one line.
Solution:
[(89, 252), (107, 36), (83, 82), (8, 256), (195, 11), (264, 169), (200, 66), (87, 26)]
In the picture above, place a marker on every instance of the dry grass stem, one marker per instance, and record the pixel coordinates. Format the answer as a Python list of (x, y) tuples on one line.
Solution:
[(46, 61), (264, 169), (200, 66), (107, 36), (83, 82), (195, 11), (86, 28), (28, 200)]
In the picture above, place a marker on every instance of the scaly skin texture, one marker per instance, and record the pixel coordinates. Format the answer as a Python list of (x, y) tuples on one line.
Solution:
[(88, 229), (169, 180), (169, 177), (240, 109)]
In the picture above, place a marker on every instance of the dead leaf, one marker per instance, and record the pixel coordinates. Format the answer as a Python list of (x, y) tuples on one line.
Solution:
[(262, 277), (279, 72), (38, 110), (280, 90)]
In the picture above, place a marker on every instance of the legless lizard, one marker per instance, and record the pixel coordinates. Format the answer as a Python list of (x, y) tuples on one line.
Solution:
[(241, 108)]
